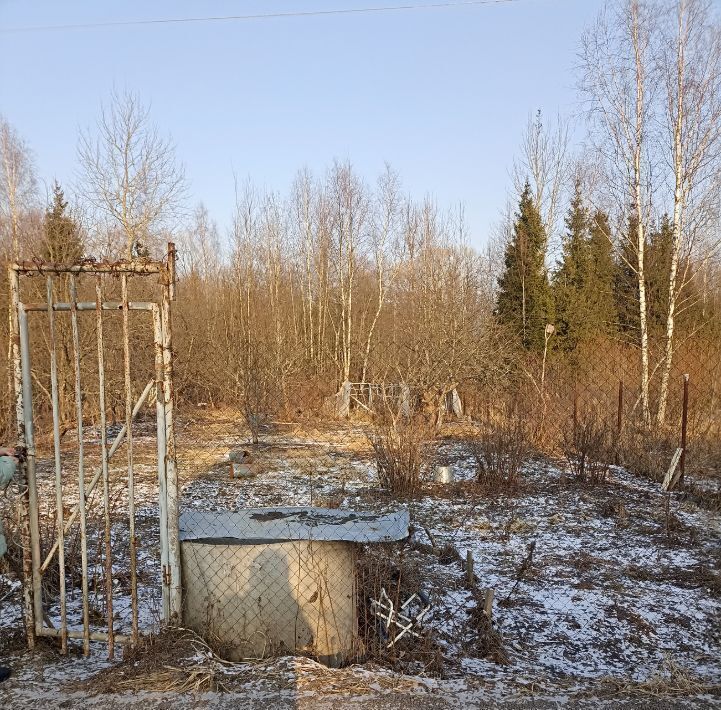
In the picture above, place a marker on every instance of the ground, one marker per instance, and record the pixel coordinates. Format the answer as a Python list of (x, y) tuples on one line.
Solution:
[(601, 592)]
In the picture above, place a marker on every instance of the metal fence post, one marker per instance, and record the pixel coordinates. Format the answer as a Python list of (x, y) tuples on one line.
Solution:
[(684, 429), (24, 512), (58, 468), (170, 462)]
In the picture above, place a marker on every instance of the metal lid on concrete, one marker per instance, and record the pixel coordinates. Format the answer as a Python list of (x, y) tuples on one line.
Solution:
[(264, 525)]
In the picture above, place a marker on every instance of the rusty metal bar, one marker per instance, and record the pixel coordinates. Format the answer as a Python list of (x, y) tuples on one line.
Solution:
[(138, 268), (171, 470), (162, 451), (81, 465), (58, 468), (24, 498), (94, 635), (684, 429), (131, 476), (98, 473), (104, 466), (92, 306), (27, 408)]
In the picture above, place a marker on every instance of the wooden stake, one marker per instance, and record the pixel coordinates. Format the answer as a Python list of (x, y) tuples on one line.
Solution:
[(469, 568), (488, 603)]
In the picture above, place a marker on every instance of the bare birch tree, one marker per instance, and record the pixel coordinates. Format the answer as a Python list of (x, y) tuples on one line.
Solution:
[(384, 243), (349, 214), (129, 172), (17, 183), (615, 62), (544, 163), (689, 69)]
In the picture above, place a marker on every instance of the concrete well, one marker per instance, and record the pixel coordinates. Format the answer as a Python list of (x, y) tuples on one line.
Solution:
[(261, 582)]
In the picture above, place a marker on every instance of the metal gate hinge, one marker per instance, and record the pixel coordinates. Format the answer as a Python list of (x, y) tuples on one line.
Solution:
[(166, 575)]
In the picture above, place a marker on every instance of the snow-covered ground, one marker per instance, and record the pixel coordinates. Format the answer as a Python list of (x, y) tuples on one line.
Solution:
[(618, 582)]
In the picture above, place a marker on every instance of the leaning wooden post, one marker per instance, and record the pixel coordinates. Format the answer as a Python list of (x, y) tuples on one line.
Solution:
[(684, 429), (469, 568)]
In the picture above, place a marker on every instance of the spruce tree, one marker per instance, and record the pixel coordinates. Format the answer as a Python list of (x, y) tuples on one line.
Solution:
[(571, 281), (601, 284), (61, 236), (524, 302), (658, 266), (626, 285)]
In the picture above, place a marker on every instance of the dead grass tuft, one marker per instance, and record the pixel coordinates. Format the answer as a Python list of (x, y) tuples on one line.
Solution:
[(672, 680)]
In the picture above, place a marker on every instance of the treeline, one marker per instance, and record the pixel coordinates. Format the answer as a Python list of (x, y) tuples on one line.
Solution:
[(591, 293), (342, 280)]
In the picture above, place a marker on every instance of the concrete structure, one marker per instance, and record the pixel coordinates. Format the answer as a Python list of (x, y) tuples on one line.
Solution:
[(278, 580)]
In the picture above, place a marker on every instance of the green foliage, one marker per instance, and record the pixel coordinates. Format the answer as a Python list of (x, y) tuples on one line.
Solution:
[(626, 284), (62, 242), (583, 287), (524, 301)]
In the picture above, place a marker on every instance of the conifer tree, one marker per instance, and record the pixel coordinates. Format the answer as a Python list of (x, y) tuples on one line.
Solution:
[(571, 281), (601, 284), (61, 236), (658, 253), (524, 301), (626, 285)]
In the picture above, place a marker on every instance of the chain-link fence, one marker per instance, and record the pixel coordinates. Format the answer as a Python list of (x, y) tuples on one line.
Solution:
[(540, 535)]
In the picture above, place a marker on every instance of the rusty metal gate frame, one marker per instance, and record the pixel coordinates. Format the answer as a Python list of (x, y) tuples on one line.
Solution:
[(33, 563)]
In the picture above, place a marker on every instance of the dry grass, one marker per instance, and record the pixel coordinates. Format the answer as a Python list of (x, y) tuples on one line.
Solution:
[(670, 681)]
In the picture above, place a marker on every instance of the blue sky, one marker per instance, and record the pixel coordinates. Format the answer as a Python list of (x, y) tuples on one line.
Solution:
[(440, 94)]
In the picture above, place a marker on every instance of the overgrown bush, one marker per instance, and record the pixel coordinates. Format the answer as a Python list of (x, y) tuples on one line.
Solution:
[(589, 448), (401, 453), (501, 450)]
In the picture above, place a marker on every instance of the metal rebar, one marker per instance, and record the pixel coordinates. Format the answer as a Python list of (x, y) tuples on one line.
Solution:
[(90, 267), (24, 512), (81, 465), (162, 451), (92, 306), (32, 490), (98, 473), (94, 635), (104, 466), (684, 429), (58, 468), (131, 476), (171, 471)]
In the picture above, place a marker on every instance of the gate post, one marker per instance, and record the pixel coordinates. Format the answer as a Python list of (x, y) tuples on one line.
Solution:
[(171, 470), (24, 506)]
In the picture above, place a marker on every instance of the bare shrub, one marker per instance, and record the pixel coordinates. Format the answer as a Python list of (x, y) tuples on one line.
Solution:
[(501, 450), (589, 448), (401, 452), (647, 452)]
